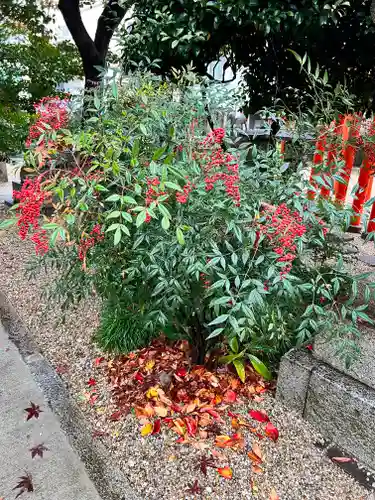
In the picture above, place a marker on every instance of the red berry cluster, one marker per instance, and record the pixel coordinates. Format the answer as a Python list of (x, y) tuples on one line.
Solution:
[(30, 201), (367, 130), (153, 193), (283, 228), (52, 114), (86, 243), (218, 159), (183, 197)]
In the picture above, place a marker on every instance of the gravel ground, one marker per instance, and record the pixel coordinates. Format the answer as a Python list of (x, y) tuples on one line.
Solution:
[(158, 468)]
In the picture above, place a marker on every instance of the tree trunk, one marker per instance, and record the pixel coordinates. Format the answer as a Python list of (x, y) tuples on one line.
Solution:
[(93, 52)]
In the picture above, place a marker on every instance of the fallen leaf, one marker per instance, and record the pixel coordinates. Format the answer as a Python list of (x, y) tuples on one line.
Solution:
[(91, 382), (33, 411), (230, 397), (194, 488), (309, 347), (172, 458), (25, 484), (38, 450), (225, 472), (204, 463), (191, 425), (257, 450), (272, 432), (260, 416), (156, 427), (139, 377), (342, 460), (222, 441), (152, 393), (150, 365), (161, 411), (181, 372), (274, 495), (146, 429), (115, 416), (256, 469), (93, 399), (179, 426), (98, 361)]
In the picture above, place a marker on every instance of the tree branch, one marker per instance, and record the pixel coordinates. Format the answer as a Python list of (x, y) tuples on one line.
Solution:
[(72, 16), (108, 21)]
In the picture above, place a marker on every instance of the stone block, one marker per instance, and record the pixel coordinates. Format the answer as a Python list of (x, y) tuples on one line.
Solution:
[(343, 410), (362, 369), (293, 379)]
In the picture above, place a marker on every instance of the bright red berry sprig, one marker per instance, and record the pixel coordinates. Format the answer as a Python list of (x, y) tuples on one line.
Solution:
[(30, 201), (96, 235)]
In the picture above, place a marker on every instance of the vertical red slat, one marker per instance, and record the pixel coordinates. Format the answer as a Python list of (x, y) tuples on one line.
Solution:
[(317, 160)]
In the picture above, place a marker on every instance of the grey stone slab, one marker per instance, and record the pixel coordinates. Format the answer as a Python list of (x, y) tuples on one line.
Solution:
[(362, 369), (343, 410), (59, 475), (293, 379)]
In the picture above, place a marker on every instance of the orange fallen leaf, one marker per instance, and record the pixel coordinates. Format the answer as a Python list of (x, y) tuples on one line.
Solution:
[(225, 472), (222, 441), (274, 495), (257, 451), (190, 408), (146, 429), (146, 411), (256, 469), (220, 456), (179, 426)]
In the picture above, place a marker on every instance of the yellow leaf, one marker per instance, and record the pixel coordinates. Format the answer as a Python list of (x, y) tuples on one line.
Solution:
[(152, 392), (150, 365), (146, 429), (225, 472)]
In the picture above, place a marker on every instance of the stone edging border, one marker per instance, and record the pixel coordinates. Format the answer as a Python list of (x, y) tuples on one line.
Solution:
[(110, 482)]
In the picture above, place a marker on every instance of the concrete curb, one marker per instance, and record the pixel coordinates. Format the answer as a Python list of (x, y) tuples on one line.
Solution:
[(110, 482), (340, 407)]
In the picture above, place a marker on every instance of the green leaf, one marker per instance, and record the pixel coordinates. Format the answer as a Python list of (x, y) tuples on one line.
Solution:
[(164, 211), (240, 369), (127, 216), (215, 333), (50, 225), (174, 186), (128, 199), (117, 237), (233, 344), (53, 237), (141, 217), (112, 227), (260, 367), (165, 224), (143, 129), (175, 43), (158, 153), (135, 148), (114, 215), (219, 319), (113, 197), (7, 223), (180, 236), (70, 219)]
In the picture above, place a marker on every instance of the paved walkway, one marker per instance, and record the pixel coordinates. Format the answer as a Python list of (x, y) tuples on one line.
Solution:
[(59, 475)]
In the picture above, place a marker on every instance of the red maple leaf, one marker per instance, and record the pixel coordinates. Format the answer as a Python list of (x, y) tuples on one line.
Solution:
[(38, 450), (194, 489), (260, 416), (33, 411), (272, 432), (91, 382), (204, 463), (25, 484)]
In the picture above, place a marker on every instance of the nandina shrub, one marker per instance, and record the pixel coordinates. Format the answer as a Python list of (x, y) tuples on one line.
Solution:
[(176, 233)]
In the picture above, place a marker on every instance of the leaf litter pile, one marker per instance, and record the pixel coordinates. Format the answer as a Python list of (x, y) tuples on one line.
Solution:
[(196, 407)]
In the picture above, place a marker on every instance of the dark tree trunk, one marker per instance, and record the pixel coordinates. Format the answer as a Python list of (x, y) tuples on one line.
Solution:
[(93, 52)]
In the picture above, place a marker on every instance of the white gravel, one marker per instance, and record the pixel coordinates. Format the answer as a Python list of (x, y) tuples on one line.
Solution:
[(157, 468)]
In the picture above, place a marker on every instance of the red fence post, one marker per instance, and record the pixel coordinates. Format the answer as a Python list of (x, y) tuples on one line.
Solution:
[(349, 154), (360, 196)]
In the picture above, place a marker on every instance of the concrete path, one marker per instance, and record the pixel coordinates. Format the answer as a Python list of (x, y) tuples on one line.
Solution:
[(59, 475)]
